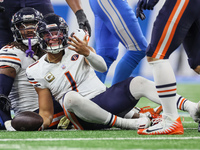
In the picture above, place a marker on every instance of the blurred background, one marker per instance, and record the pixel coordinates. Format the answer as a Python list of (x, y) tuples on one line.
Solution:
[(178, 59)]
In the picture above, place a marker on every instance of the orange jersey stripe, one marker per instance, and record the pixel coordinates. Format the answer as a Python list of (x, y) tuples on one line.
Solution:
[(4, 66), (170, 28), (32, 82), (9, 57), (166, 91), (181, 103)]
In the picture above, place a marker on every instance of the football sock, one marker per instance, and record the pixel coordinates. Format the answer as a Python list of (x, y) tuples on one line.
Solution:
[(166, 86), (184, 104), (126, 123), (126, 65)]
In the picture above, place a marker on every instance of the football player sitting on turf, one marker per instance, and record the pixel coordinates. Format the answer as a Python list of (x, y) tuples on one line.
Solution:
[(14, 59), (66, 73)]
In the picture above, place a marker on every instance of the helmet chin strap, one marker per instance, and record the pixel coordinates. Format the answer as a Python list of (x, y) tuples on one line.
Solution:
[(55, 49), (29, 51), (33, 41)]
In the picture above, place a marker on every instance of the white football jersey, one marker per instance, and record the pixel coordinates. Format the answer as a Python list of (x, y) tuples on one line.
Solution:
[(71, 73), (23, 95)]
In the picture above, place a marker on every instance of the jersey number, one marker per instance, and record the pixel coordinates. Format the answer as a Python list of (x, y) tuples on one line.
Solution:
[(71, 80)]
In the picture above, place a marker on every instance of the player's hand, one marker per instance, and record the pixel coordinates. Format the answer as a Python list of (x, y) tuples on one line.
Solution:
[(82, 21), (139, 10), (2, 9), (4, 103), (148, 4), (79, 46)]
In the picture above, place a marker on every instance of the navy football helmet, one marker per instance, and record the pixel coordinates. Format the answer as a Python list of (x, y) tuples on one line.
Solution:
[(23, 25), (52, 31)]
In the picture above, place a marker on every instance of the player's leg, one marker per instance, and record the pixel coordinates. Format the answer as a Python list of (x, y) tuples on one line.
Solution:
[(85, 109), (5, 21), (191, 45), (120, 19), (106, 45), (167, 35), (142, 87), (44, 6)]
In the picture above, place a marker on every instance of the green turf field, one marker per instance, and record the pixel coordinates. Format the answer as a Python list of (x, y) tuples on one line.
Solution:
[(108, 139)]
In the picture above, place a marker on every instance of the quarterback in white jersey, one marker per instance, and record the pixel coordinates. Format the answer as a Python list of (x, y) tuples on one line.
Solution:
[(71, 73), (67, 75)]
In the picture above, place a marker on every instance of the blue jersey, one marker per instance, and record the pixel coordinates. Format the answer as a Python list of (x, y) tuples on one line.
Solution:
[(115, 22), (178, 22), (11, 7)]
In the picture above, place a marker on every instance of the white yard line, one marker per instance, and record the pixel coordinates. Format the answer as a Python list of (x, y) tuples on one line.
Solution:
[(99, 139)]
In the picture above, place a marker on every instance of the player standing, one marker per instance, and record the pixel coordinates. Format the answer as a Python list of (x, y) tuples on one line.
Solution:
[(177, 22)]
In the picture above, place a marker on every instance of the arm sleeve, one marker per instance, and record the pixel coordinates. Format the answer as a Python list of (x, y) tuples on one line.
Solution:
[(97, 62)]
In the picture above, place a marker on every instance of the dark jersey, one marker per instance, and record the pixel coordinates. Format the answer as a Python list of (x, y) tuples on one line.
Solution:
[(178, 22)]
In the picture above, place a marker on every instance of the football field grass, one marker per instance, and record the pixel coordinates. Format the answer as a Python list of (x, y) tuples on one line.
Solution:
[(109, 139)]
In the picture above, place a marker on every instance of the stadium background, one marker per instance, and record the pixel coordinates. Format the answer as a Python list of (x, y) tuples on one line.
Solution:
[(178, 59)]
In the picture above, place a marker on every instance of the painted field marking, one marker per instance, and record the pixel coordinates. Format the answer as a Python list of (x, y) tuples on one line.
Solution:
[(94, 139)]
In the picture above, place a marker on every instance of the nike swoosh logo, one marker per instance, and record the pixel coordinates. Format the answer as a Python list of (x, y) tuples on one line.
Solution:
[(153, 130)]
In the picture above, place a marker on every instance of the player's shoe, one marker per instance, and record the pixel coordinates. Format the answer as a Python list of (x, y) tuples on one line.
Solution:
[(195, 113), (165, 126), (150, 112), (8, 126)]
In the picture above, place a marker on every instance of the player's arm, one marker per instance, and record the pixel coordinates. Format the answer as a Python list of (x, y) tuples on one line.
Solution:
[(46, 110), (7, 76), (81, 47), (82, 20)]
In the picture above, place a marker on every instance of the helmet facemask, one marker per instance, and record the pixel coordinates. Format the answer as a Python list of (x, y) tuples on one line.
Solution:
[(26, 31), (53, 39)]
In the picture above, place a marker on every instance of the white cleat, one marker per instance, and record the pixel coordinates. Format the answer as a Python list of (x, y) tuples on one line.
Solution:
[(8, 126), (166, 126)]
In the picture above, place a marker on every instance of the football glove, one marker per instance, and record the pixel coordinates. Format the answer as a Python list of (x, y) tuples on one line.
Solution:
[(4, 103), (139, 10), (82, 21), (2, 9), (143, 5), (64, 123)]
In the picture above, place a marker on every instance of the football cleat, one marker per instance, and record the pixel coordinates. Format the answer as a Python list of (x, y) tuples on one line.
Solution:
[(8, 126), (150, 112), (195, 113), (166, 126)]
